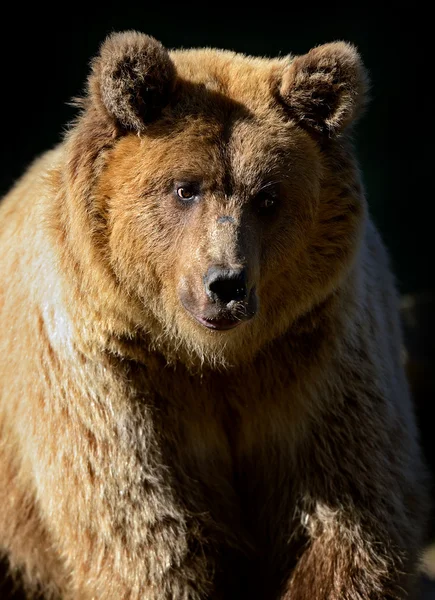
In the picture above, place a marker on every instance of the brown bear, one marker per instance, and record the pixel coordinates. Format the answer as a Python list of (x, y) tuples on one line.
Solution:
[(202, 391)]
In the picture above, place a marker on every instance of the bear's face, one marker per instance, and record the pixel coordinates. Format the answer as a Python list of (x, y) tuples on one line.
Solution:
[(217, 196)]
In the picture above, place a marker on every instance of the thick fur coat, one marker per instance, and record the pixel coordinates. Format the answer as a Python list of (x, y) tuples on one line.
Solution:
[(201, 387)]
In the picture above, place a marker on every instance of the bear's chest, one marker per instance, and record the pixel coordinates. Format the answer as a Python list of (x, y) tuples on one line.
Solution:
[(237, 445)]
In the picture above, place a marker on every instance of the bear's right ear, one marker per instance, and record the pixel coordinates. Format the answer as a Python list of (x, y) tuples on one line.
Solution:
[(132, 79)]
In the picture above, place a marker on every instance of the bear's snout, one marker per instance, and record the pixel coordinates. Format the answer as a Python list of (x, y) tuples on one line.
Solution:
[(226, 285), (225, 299)]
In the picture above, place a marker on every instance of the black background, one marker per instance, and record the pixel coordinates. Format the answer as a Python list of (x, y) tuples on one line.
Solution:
[(45, 58)]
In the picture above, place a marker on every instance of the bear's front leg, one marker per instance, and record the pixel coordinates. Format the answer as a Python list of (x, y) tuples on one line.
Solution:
[(361, 501), (345, 563), (140, 545), (107, 497)]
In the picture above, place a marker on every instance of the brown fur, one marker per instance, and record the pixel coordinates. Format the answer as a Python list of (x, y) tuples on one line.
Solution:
[(143, 455)]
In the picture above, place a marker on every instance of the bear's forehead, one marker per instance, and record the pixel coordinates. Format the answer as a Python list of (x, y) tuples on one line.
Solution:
[(249, 81), (223, 112), (234, 154)]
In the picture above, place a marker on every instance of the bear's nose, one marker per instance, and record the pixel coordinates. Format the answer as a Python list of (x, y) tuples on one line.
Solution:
[(225, 285)]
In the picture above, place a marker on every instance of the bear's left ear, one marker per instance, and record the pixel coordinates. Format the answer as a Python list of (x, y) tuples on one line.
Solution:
[(132, 79), (326, 89)]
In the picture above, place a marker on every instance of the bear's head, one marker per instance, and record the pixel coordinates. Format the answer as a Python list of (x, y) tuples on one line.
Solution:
[(220, 191)]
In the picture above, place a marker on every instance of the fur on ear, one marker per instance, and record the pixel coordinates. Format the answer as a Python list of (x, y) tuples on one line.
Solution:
[(326, 89), (132, 79)]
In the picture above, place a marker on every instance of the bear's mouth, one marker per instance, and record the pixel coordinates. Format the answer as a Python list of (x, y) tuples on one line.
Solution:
[(216, 316), (218, 324)]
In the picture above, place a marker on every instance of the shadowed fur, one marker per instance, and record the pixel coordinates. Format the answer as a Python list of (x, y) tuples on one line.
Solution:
[(327, 88)]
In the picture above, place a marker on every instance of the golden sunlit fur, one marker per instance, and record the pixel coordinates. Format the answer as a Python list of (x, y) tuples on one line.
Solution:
[(146, 456)]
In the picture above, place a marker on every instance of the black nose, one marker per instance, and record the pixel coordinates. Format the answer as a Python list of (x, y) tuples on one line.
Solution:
[(225, 285)]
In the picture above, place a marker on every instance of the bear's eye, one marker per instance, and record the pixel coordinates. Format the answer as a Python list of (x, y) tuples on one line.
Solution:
[(187, 192), (266, 203)]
